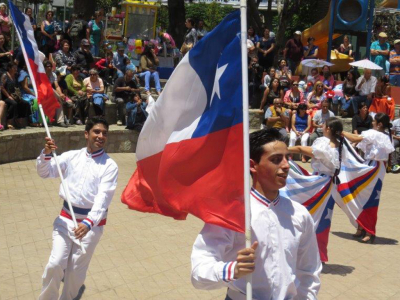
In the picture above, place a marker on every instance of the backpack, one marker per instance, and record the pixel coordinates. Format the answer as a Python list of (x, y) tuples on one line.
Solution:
[(76, 28)]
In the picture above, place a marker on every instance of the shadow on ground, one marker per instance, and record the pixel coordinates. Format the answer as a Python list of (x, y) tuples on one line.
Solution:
[(378, 240), (335, 269)]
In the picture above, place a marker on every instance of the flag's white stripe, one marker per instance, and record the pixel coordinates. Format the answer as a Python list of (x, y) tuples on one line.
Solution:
[(183, 100)]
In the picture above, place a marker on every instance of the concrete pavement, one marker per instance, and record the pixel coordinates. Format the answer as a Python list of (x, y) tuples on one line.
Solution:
[(146, 256)]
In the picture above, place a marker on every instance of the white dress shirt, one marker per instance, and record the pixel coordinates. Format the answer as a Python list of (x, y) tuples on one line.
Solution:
[(287, 258), (368, 86), (91, 179)]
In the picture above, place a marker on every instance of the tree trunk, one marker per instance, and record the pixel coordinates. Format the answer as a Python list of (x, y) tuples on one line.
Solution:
[(253, 16), (269, 15), (86, 7), (289, 8), (176, 16)]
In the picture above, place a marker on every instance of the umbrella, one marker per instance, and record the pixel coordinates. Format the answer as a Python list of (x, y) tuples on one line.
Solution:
[(366, 64), (315, 63)]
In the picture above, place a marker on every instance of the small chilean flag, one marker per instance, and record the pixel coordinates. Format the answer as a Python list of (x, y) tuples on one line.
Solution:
[(190, 151), (40, 82)]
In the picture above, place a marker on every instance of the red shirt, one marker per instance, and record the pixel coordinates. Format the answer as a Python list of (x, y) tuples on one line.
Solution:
[(295, 50)]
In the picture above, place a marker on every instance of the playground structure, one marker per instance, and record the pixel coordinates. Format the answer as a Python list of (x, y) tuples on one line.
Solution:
[(323, 28)]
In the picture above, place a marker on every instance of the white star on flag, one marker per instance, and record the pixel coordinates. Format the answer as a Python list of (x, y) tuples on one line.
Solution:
[(218, 75), (329, 214)]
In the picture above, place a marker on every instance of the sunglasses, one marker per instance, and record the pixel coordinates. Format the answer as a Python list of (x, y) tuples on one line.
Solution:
[(295, 84), (320, 86)]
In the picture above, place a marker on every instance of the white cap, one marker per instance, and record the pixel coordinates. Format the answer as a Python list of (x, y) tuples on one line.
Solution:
[(298, 32)]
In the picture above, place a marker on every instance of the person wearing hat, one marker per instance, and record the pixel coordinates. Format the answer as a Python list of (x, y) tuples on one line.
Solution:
[(118, 60), (294, 51), (83, 57), (380, 53), (394, 59)]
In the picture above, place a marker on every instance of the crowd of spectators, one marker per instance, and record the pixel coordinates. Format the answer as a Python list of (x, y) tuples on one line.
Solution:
[(298, 104)]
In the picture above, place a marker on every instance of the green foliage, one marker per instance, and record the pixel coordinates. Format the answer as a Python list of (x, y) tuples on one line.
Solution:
[(211, 13), (107, 4), (300, 21)]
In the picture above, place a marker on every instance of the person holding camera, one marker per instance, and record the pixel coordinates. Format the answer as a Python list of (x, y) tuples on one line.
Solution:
[(255, 80), (124, 88)]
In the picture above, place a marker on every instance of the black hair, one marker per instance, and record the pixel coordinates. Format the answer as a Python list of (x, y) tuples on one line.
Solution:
[(74, 68), (94, 121), (279, 84), (301, 106), (191, 21), (26, 9), (147, 50), (336, 127), (355, 74), (279, 62), (126, 60), (361, 105), (254, 31), (10, 65), (384, 79), (259, 138), (310, 38)]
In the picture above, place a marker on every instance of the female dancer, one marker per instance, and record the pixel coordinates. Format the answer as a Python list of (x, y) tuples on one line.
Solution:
[(376, 145)]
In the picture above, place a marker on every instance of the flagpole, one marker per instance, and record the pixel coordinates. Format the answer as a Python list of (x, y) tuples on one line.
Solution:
[(246, 146), (63, 183)]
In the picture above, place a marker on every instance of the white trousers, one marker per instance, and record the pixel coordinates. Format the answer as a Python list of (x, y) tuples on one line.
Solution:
[(293, 138), (67, 261)]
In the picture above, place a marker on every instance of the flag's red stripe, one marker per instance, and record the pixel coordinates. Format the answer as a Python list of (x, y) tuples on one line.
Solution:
[(201, 176)]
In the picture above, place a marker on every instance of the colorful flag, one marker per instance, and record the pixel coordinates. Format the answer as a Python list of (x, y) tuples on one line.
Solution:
[(190, 150), (40, 81)]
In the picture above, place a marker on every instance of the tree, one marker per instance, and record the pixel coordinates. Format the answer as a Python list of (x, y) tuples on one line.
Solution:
[(253, 16), (176, 18)]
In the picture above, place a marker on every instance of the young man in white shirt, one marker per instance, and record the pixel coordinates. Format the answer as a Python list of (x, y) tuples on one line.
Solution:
[(283, 258), (91, 177)]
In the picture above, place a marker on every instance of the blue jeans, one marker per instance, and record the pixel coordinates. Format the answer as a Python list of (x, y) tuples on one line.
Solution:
[(95, 50), (394, 80), (147, 75), (342, 100), (357, 100)]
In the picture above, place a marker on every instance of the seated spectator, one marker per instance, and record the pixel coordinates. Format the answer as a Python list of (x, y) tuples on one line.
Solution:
[(272, 92), (84, 58), (316, 96), (300, 127), (319, 120), (293, 97), (28, 95), (277, 117), (148, 65), (310, 51), (118, 60), (64, 57), (17, 109), (252, 36), (361, 121), (284, 75), (313, 77), (95, 92), (395, 159), (107, 70), (77, 93), (61, 98), (394, 59), (268, 78), (124, 88), (365, 87), (348, 90), (136, 113), (5, 55), (327, 78), (382, 103)]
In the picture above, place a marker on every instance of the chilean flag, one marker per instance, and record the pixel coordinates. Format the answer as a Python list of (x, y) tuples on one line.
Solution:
[(40, 82), (190, 150)]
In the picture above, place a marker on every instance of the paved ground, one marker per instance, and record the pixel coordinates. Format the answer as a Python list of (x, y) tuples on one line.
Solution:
[(144, 256)]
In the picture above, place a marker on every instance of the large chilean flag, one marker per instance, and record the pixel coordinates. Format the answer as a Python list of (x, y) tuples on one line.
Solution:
[(40, 82), (190, 151)]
